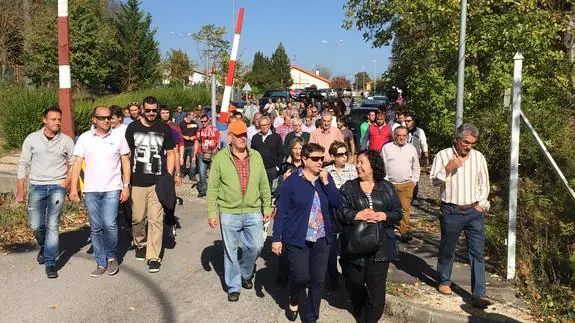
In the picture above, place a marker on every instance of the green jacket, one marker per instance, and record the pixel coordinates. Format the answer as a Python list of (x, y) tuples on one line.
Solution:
[(363, 130), (224, 190)]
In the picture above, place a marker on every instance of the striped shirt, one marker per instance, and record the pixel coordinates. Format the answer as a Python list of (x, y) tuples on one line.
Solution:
[(465, 185)]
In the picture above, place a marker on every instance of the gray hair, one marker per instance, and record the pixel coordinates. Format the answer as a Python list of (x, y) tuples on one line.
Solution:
[(326, 113), (264, 118), (467, 129), (296, 121)]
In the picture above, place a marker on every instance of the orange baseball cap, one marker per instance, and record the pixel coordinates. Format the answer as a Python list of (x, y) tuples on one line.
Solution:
[(237, 127)]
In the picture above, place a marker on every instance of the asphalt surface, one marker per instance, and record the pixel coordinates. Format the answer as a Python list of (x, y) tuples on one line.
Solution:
[(187, 289)]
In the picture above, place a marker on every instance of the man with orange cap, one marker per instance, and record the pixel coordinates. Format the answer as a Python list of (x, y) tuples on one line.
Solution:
[(238, 206)]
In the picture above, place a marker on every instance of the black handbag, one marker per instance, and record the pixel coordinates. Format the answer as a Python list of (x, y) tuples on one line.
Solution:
[(363, 237)]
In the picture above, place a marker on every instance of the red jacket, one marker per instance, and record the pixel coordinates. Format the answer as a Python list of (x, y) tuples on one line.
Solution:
[(378, 136)]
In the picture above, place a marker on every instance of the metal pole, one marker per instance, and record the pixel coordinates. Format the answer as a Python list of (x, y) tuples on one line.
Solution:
[(214, 96), (461, 64), (374, 76), (514, 166), (65, 80)]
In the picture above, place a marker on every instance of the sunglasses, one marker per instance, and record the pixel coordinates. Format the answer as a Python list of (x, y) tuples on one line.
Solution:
[(341, 154), (316, 158), (151, 110), (134, 103), (102, 118), (204, 121), (408, 120)]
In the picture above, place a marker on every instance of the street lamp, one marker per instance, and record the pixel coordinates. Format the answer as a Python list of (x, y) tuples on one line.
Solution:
[(335, 44), (374, 75)]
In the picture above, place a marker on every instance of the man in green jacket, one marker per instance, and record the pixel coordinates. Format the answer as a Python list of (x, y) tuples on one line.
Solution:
[(239, 192), (364, 126)]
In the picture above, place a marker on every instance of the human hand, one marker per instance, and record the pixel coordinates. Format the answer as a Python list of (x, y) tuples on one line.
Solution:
[(73, 196), (178, 180), (323, 175), (454, 163), (213, 223), (364, 215), (124, 195), (277, 248), (479, 209), (267, 217), (20, 195), (378, 217), (287, 174)]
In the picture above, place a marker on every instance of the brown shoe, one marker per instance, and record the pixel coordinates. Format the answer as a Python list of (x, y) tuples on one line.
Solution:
[(444, 289), (481, 302)]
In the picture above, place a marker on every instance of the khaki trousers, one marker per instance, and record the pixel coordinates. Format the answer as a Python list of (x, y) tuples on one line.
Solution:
[(405, 193), (146, 206)]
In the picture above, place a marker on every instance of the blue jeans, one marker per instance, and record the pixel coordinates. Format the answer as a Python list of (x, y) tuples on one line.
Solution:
[(45, 204), (248, 228), (472, 223), (203, 170), (188, 152), (102, 209)]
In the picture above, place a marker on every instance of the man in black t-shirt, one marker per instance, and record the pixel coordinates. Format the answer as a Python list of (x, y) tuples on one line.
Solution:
[(149, 139), (189, 128)]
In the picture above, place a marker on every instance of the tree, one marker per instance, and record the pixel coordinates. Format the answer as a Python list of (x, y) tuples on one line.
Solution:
[(212, 46), (138, 57), (11, 37), (340, 82), (179, 66), (280, 67), (92, 45), (261, 76), (323, 70), (360, 79)]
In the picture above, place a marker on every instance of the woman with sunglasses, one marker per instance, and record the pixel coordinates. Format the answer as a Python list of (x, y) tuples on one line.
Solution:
[(371, 200), (303, 225)]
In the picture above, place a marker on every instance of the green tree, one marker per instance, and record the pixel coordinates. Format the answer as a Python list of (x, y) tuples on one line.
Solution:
[(261, 76), (11, 36), (138, 57), (340, 82), (178, 66), (92, 44), (280, 66), (212, 47), (360, 79)]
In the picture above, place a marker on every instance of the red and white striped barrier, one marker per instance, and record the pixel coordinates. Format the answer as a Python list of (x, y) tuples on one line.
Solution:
[(231, 69), (65, 79)]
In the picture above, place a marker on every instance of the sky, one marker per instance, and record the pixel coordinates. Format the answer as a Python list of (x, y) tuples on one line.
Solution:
[(300, 25)]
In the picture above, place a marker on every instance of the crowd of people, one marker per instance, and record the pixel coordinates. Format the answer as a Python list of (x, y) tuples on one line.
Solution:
[(330, 194)]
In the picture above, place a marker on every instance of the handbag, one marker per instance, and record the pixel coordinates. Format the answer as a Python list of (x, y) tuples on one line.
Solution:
[(363, 237)]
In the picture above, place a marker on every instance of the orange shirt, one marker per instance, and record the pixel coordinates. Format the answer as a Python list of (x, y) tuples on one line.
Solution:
[(325, 139)]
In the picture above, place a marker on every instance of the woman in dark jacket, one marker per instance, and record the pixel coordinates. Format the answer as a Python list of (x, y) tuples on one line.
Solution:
[(303, 225), (372, 199)]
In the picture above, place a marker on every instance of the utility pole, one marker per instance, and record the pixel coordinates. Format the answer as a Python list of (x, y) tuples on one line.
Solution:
[(65, 83), (461, 64), (214, 93)]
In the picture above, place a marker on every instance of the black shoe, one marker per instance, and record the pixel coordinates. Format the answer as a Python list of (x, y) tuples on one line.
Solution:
[(201, 194), (406, 238), (291, 314), (141, 254), (247, 283), (51, 272), (154, 266), (40, 256), (233, 297)]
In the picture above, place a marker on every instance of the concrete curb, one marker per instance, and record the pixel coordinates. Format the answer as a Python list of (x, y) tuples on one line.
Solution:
[(402, 310)]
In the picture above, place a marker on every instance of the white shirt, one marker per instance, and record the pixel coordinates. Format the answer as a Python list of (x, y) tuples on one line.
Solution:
[(102, 156), (348, 173), (401, 163), (121, 130), (418, 140), (465, 185)]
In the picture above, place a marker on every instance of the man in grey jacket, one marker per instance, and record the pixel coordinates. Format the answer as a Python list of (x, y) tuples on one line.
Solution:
[(46, 159)]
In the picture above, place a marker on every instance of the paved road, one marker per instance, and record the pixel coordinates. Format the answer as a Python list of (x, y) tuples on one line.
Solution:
[(187, 289)]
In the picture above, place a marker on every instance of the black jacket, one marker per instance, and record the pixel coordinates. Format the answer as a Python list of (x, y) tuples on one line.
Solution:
[(272, 150), (166, 191), (385, 199)]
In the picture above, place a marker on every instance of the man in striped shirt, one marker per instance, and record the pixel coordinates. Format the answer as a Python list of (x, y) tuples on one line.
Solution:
[(461, 174)]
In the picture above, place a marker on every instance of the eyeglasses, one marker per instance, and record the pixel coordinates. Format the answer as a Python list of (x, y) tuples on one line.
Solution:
[(204, 121), (344, 154), (102, 118), (151, 110), (316, 158), (467, 143)]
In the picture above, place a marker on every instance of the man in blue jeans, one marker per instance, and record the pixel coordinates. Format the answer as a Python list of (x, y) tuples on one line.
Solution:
[(106, 154), (205, 147), (462, 176), (238, 188), (45, 158)]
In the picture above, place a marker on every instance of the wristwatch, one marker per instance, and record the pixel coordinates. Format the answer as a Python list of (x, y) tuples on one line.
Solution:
[(126, 185)]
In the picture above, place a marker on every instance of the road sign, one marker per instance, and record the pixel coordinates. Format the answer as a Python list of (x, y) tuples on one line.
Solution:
[(247, 88)]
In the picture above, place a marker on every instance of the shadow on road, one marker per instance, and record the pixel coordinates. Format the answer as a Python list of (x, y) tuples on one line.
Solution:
[(212, 258), (479, 315)]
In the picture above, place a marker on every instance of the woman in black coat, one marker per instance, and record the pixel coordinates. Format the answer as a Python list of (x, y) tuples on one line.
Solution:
[(369, 200)]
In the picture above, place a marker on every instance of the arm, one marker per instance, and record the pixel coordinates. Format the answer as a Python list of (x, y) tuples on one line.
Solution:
[(265, 192), (126, 176), (352, 146), (23, 168), (75, 178), (171, 161), (438, 175), (213, 189), (483, 186), (279, 152), (281, 211), (394, 215), (415, 168), (424, 148), (365, 142), (347, 212), (332, 193)]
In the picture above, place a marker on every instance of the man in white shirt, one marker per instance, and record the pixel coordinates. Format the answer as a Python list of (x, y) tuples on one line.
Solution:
[(461, 174), (402, 169), (254, 128), (418, 139), (106, 154)]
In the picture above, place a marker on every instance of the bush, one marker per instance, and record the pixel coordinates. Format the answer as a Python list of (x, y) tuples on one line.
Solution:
[(22, 107)]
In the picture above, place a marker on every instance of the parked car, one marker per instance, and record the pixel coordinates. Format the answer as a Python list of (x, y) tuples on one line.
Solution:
[(274, 95)]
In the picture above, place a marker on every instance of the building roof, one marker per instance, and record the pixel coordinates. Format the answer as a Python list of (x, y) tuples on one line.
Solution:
[(303, 70)]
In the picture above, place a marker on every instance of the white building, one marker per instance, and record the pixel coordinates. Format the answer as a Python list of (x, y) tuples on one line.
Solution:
[(303, 78), (195, 78)]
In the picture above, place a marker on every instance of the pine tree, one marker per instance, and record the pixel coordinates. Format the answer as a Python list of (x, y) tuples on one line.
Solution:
[(139, 54), (280, 66)]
